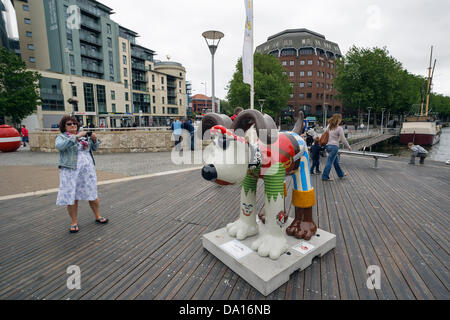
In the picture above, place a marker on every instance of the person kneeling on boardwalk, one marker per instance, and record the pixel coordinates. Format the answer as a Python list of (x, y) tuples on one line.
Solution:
[(418, 151), (77, 176)]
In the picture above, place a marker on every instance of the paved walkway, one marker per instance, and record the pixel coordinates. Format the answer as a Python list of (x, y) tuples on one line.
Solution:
[(395, 217), (25, 171)]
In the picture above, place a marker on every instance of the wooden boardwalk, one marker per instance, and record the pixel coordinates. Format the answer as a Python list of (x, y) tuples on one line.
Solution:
[(396, 217), (371, 141)]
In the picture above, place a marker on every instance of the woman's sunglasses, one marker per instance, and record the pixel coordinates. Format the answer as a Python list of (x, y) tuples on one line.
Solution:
[(70, 124)]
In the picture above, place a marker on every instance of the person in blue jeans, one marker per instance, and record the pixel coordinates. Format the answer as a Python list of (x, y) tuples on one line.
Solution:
[(336, 134)]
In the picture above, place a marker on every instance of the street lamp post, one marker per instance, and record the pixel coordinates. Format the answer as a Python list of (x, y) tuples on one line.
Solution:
[(212, 39), (368, 121), (261, 103)]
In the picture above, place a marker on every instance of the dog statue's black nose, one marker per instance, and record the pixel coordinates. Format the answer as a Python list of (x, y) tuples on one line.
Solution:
[(209, 172)]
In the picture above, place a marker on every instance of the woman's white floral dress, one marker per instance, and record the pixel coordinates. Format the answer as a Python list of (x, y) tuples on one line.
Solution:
[(79, 184)]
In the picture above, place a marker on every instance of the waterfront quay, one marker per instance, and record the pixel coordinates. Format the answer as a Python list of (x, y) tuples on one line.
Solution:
[(395, 217)]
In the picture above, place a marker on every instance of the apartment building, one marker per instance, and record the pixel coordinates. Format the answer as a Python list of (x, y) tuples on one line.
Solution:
[(309, 61), (77, 45)]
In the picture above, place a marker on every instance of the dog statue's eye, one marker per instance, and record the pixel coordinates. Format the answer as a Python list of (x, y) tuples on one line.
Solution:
[(224, 142)]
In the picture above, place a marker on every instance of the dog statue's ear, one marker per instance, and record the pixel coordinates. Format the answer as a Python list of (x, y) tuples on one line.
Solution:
[(215, 119), (300, 124), (266, 128)]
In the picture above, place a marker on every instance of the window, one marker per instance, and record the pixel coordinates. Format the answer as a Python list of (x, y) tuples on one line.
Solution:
[(302, 96), (284, 63), (308, 95), (164, 110), (32, 59), (162, 80), (163, 100), (291, 74), (72, 61), (124, 58), (153, 88), (309, 73), (310, 62), (302, 73), (111, 58), (154, 109), (153, 78), (127, 108), (292, 96), (109, 43), (113, 108), (318, 62), (318, 73), (302, 84), (29, 34), (125, 72), (309, 84), (30, 47), (89, 100), (108, 28), (125, 83), (154, 100), (124, 47), (127, 98), (318, 84), (26, 7), (302, 62), (291, 63), (74, 91), (328, 76), (27, 21), (113, 95)]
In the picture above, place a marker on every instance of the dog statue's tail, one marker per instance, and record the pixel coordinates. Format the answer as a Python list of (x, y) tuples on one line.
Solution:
[(300, 124)]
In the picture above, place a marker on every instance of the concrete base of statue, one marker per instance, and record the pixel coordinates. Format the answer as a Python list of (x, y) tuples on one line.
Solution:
[(264, 274)]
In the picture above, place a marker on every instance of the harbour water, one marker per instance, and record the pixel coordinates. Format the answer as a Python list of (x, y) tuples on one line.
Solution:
[(438, 152)]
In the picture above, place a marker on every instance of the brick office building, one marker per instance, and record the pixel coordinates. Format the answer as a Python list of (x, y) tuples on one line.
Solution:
[(309, 60)]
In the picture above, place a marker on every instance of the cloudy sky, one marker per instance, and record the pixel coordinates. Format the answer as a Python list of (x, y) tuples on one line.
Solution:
[(407, 28)]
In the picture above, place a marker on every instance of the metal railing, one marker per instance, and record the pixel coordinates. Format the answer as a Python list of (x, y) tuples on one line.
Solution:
[(92, 54), (91, 25), (138, 66), (90, 39), (93, 68), (109, 129)]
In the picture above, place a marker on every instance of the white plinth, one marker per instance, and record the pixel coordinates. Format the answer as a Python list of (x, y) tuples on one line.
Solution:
[(265, 274)]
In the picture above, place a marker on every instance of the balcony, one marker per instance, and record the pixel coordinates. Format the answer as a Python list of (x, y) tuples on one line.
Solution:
[(90, 39), (140, 55), (92, 54), (92, 68), (91, 25), (140, 88), (138, 66), (89, 9)]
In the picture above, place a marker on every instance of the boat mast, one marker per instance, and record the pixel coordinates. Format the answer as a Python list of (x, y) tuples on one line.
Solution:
[(429, 83)]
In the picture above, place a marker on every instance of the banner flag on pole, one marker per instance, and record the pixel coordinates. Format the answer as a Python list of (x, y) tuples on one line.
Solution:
[(247, 57)]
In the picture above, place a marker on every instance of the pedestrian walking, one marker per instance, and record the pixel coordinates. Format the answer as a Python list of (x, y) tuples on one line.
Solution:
[(362, 127), (336, 134), (187, 125), (77, 176), (315, 151), (176, 128), (418, 152), (24, 133)]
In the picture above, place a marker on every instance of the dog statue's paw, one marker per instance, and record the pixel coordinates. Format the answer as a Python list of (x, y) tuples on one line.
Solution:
[(270, 246), (242, 230)]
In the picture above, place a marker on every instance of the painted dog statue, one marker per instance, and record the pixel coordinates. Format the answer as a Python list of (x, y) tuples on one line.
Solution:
[(251, 148)]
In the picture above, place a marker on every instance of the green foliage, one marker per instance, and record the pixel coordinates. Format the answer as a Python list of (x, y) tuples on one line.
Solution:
[(440, 104), (19, 95), (226, 108), (270, 84), (372, 78)]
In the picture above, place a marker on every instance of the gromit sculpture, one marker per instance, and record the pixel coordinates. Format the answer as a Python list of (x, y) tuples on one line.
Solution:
[(251, 148)]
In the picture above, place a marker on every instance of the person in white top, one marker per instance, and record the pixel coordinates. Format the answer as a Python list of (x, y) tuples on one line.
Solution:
[(336, 135)]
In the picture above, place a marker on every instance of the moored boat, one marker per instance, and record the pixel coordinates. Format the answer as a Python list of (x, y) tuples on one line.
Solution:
[(421, 130)]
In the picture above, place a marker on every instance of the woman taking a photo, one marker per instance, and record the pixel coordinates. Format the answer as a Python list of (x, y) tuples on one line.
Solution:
[(77, 176), (336, 134)]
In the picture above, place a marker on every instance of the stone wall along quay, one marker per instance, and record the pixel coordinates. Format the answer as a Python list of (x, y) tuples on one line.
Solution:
[(112, 141)]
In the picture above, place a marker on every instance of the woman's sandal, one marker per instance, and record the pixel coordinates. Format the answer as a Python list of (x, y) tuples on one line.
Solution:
[(74, 229), (327, 180), (102, 221)]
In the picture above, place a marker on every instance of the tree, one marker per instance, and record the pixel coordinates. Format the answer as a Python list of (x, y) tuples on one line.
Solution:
[(19, 95), (226, 108), (271, 84), (372, 78)]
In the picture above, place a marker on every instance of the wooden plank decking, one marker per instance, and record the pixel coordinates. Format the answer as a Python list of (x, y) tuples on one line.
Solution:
[(396, 217)]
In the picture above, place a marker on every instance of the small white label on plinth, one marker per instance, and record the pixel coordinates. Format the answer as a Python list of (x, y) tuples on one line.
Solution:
[(236, 249), (303, 247)]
